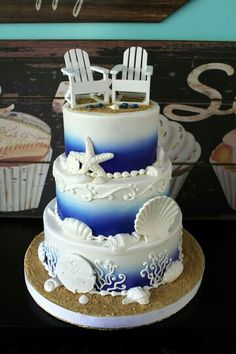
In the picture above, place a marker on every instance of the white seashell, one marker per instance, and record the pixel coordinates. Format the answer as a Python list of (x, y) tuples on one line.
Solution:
[(121, 242), (173, 272), (155, 218), (51, 284), (83, 300), (152, 171), (75, 273), (137, 294), (77, 227)]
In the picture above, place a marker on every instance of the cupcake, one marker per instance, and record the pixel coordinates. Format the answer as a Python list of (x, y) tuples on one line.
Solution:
[(24, 143), (181, 147), (225, 155)]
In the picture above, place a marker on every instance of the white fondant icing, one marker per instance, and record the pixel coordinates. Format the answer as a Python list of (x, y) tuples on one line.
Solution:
[(122, 188), (155, 218), (126, 258), (75, 273), (137, 294)]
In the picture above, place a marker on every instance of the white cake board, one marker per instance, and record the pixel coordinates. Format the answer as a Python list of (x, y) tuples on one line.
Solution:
[(114, 322)]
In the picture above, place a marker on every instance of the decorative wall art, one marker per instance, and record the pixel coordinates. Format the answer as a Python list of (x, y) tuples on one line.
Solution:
[(19, 11), (194, 83)]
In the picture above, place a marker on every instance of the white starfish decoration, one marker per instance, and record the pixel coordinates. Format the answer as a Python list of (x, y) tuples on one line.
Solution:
[(90, 161)]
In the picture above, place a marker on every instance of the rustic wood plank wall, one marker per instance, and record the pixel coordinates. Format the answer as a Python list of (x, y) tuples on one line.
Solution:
[(22, 11), (194, 82)]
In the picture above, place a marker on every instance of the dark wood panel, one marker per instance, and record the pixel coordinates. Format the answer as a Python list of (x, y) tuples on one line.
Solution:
[(32, 68), (87, 10), (30, 77)]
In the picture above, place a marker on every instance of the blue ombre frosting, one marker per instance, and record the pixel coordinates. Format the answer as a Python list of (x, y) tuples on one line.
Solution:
[(105, 218), (127, 157), (131, 136)]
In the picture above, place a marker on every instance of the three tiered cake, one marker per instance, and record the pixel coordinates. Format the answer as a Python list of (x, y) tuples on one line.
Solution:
[(112, 236)]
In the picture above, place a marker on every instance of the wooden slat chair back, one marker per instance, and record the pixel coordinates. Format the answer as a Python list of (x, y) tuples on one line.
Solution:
[(78, 61), (81, 80), (135, 75)]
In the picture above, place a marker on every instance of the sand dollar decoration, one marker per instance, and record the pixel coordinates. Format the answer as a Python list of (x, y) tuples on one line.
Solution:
[(155, 218), (75, 273)]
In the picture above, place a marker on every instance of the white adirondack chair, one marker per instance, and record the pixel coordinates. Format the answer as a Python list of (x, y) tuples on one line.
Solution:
[(135, 76), (81, 80)]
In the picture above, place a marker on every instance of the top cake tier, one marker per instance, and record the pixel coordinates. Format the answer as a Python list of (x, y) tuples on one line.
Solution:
[(131, 135)]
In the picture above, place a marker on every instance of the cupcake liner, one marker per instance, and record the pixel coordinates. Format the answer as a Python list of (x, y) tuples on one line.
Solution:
[(227, 179), (177, 183), (21, 186)]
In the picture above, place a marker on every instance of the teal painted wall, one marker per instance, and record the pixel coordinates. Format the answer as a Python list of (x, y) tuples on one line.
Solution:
[(212, 20)]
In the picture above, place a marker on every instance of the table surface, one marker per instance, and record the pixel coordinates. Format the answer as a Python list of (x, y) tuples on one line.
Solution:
[(209, 317)]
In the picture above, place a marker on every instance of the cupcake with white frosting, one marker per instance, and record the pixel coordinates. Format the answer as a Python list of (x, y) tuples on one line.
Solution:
[(223, 159), (24, 143), (181, 148)]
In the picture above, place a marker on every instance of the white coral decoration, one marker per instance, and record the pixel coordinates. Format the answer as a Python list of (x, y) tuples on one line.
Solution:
[(155, 218), (77, 227), (137, 294), (75, 273), (173, 272), (72, 163)]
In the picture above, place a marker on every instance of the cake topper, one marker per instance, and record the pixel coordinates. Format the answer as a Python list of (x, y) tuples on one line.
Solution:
[(134, 84), (136, 76), (81, 79)]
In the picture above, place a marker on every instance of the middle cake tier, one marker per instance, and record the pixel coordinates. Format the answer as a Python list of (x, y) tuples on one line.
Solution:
[(108, 208)]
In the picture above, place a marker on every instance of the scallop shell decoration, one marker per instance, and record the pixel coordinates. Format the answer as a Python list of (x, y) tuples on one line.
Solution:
[(77, 227), (173, 272), (75, 273), (155, 218)]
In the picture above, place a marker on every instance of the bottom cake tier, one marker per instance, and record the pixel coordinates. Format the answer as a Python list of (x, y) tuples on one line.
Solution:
[(109, 312), (115, 264)]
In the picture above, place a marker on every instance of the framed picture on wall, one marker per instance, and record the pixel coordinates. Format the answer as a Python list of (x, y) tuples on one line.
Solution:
[(193, 82)]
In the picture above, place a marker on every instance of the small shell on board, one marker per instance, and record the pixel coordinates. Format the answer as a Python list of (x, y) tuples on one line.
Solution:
[(75, 273), (173, 272), (77, 227), (137, 294), (155, 218)]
